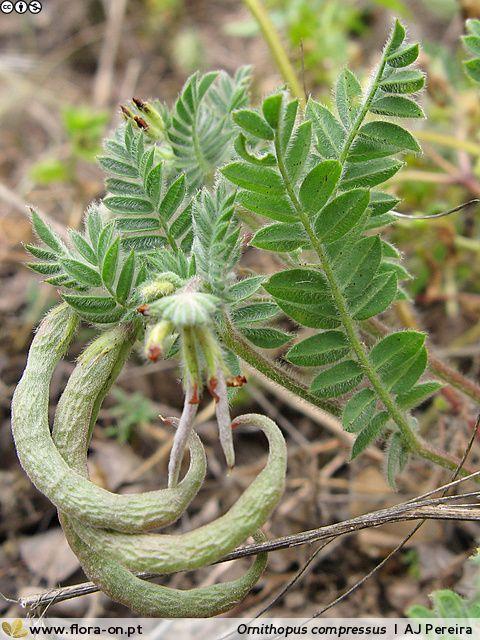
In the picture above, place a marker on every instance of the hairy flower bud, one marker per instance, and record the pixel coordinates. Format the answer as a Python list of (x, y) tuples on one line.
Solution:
[(156, 339)]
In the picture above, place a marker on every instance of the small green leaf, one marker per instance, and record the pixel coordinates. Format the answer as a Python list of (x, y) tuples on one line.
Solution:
[(448, 604), (266, 337), (153, 185), (418, 394), (322, 348), (253, 124), (83, 248), (109, 264), (298, 285), (273, 207), (370, 173), (397, 37), (370, 433), (403, 57), (280, 237), (329, 133), (398, 107), (119, 187), (143, 243), (125, 278), (347, 97), (45, 233), (40, 252), (389, 136), (376, 298), (266, 160), (319, 184), (472, 43), (173, 198), (81, 272), (44, 268), (473, 26), (118, 168), (255, 312), (472, 68), (125, 204), (358, 410), (298, 150), (337, 380), (89, 304), (341, 215), (409, 81), (258, 179), (287, 123), (271, 108), (246, 288)]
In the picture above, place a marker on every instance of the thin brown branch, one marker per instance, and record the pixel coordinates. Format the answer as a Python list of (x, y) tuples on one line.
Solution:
[(432, 509)]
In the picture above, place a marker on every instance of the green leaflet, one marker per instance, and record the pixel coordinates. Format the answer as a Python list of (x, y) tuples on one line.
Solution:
[(246, 288), (337, 380), (341, 215), (267, 337), (322, 348), (347, 97), (253, 124), (282, 237), (359, 410), (472, 44), (369, 433), (254, 312), (397, 106), (318, 185), (257, 179), (274, 207), (329, 133), (409, 81)]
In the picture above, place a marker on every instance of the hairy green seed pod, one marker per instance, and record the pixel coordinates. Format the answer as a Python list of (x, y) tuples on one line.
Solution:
[(67, 489)]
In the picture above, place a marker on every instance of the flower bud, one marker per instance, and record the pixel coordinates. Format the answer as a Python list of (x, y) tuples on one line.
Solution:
[(156, 339)]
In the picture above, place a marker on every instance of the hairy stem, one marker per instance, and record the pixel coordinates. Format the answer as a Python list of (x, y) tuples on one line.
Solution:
[(243, 349)]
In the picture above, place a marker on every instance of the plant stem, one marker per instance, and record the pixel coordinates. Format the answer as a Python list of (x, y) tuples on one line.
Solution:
[(242, 348), (276, 48)]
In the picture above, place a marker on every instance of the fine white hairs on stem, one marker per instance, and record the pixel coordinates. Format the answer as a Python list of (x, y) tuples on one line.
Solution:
[(184, 429), (223, 418)]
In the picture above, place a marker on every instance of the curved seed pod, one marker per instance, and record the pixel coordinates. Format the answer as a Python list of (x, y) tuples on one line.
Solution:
[(158, 601), (194, 549), (116, 581), (67, 489)]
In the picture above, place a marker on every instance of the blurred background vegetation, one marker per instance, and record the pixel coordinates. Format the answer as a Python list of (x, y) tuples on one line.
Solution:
[(63, 75)]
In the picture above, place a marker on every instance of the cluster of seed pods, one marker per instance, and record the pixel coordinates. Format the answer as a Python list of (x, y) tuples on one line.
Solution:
[(111, 534)]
